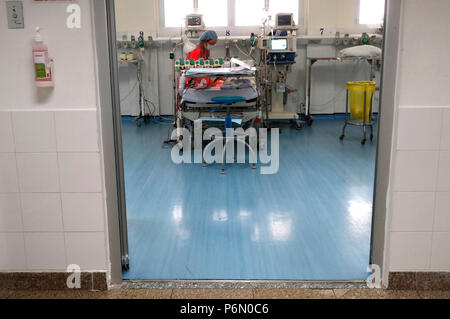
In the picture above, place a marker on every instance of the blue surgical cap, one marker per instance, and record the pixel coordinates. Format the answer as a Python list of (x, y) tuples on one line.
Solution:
[(208, 35)]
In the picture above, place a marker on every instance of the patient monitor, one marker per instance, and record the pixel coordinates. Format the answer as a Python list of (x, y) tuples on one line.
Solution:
[(195, 22), (285, 21)]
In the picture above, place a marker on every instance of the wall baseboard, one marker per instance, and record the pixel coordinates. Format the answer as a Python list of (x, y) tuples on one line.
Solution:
[(97, 281), (90, 281), (438, 281)]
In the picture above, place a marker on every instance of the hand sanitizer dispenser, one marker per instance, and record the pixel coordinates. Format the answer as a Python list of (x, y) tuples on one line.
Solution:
[(43, 65)]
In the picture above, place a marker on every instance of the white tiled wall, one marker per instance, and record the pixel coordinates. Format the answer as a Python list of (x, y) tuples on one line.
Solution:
[(83, 212), (12, 251), (9, 183), (10, 213), (42, 124), (445, 140), (78, 252), (6, 133), (420, 223), (38, 173), (45, 251), (440, 256), (420, 206), (80, 172), (76, 131), (42, 213), (51, 190), (51, 201)]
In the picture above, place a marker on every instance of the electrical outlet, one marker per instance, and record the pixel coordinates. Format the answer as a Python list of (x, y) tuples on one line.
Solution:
[(14, 14)]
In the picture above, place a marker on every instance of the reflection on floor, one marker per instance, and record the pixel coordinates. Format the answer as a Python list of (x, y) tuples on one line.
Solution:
[(311, 221)]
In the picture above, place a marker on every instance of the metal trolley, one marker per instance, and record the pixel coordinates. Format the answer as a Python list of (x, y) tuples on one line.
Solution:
[(367, 119)]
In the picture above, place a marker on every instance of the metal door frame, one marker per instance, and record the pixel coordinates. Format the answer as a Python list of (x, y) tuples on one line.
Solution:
[(387, 118), (105, 34), (109, 99)]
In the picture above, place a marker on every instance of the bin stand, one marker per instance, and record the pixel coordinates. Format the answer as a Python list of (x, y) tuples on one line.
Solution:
[(363, 123)]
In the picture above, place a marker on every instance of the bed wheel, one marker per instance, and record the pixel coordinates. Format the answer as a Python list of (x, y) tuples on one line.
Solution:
[(299, 125)]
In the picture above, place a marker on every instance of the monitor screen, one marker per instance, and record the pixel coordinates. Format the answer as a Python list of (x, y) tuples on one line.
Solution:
[(279, 44), (194, 21), (285, 20)]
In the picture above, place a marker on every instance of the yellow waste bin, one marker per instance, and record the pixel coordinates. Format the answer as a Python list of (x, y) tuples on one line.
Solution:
[(357, 92)]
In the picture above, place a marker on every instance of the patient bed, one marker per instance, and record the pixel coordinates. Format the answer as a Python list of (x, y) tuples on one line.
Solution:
[(220, 98), (238, 95)]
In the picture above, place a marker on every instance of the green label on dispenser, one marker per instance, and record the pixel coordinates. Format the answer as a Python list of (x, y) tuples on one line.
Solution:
[(41, 72)]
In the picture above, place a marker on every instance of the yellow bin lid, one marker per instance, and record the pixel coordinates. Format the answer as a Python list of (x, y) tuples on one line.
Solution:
[(361, 84)]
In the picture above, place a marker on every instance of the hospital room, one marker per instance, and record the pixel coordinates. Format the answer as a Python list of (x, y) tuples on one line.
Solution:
[(250, 134)]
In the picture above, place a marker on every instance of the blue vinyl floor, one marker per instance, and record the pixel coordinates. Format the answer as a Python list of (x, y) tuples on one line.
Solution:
[(311, 221)]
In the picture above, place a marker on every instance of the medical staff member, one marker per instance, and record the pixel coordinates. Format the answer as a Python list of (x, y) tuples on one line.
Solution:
[(208, 40)]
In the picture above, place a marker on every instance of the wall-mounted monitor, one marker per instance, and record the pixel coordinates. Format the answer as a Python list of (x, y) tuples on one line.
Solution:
[(194, 22), (285, 21)]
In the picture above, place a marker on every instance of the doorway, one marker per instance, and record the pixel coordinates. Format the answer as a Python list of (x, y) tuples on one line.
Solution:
[(309, 223)]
